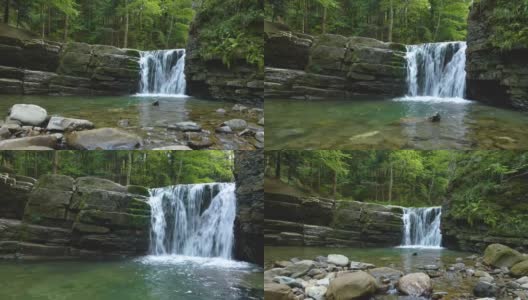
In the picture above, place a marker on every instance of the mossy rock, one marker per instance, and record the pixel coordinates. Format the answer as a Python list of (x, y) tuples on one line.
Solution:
[(114, 219), (55, 182), (398, 47), (87, 228), (520, 269), (498, 255), (138, 190), (139, 204), (95, 183)]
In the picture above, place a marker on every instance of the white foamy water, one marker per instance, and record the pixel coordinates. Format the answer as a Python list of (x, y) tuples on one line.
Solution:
[(422, 227), (162, 73)]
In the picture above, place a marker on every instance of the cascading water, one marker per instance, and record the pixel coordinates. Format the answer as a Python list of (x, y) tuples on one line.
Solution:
[(162, 72), (437, 70), (422, 227), (193, 220)]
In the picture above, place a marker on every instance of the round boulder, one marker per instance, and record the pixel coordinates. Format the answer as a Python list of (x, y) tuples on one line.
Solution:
[(275, 291), (103, 139), (520, 269), (498, 255), (28, 114), (416, 285), (236, 124), (338, 260), (357, 285)]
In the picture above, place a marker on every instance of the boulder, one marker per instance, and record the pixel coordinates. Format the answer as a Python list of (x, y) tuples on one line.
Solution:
[(416, 285), (103, 139), (274, 291), (357, 285), (520, 269), (185, 126), (498, 255), (28, 114), (48, 207), (338, 260), (384, 273), (138, 190), (485, 289), (68, 124), (316, 292), (175, 147), (55, 182), (300, 268), (236, 124), (46, 141)]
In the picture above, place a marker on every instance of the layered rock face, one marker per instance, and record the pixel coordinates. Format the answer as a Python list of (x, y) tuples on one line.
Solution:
[(239, 82), (330, 66), (36, 67), (309, 221), (88, 217), (249, 174), (14, 194), (494, 76)]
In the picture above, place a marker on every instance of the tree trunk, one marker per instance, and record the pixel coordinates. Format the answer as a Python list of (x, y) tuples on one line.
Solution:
[(305, 16), (55, 162), (431, 187), (278, 165), (325, 11), (6, 12), (66, 28), (390, 185), (125, 39), (170, 31), (49, 21), (129, 168), (439, 19), (179, 172), (42, 21), (391, 21)]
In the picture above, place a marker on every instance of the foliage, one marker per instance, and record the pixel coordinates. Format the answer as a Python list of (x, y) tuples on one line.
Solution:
[(148, 168), (413, 21), (232, 30), (152, 24), (485, 189), (509, 20)]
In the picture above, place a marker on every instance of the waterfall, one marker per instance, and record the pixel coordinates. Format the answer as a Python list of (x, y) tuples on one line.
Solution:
[(436, 70), (193, 220), (162, 72), (422, 227)]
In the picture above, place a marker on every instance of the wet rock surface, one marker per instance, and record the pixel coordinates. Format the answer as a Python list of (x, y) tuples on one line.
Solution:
[(64, 217), (300, 66)]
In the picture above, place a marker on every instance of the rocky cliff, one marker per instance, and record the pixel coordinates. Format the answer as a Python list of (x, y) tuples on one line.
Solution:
[(211, 77), (330, 66), (495, 76), (311, 221), (36, 67), (249, 174), (64, 217)]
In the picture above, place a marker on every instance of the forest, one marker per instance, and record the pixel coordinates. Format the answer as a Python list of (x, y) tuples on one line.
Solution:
[(408, 21), (145, 168), (480, 184), (143, 24)]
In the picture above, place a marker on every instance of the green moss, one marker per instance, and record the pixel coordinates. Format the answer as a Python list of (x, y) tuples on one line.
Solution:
[(138, 190)]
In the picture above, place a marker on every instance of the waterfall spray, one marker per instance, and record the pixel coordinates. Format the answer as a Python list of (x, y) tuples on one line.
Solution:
[(437, 70), (193, 220), (422, 227), (162, 72)]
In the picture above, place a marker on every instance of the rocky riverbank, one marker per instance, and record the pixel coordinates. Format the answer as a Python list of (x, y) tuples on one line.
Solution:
[(68, 218), (499, 274), (292, 220), (37, 67), (301, 66), (30, 127), (495, 76)]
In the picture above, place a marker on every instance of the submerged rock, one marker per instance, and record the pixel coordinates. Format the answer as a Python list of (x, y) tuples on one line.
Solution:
[(416, 285), (28, 114), (357, 285), (185, 126), (236, 124), (485, 289), (103, 139), (175, 147), (364, 135)]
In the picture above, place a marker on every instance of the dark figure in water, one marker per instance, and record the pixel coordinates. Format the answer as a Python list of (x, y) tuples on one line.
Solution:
[(156, 103), (435, 118)]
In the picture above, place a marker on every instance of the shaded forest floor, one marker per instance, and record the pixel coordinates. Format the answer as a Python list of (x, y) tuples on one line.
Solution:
[(276, 186)]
